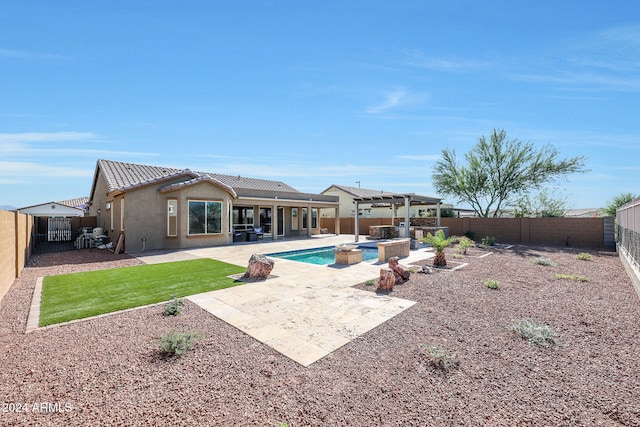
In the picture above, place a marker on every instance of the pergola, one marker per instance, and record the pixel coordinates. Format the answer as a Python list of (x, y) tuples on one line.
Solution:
[(407, 199)]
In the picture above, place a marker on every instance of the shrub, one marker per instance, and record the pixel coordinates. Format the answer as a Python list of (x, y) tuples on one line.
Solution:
[(370, 282), (174, 307), (488, 241), (492, 284), (583, 256), (439, 358), (572, 277), (535, 332), (176, 343), (544, 261), (464, 243), (470, 234)]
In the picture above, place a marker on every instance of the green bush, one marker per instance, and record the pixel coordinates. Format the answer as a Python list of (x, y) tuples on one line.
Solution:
[(488, 241), (492, 284), (174, 307), (583, 256), (535, 332), (572, 277), (544, 261), (177, 343), (465, 243), (370, 282), (439, 358)]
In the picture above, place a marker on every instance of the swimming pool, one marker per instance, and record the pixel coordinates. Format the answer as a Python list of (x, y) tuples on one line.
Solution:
[(323, 256)]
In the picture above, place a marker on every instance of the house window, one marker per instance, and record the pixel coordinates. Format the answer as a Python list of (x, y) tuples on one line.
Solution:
[(294, 218), (242, 217), (304, 218), (314, 218), (205, 217), (172, 217)]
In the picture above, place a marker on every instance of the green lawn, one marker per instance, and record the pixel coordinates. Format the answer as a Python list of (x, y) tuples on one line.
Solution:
[(75, 296)]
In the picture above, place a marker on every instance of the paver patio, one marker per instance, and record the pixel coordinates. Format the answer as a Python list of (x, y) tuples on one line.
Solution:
[(306, 311)]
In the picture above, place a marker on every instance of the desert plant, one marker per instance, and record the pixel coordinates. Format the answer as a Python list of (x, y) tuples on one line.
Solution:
[(439, 358), (572, 277), (492, 284), (583, 256), (439, 243), (458, 256), (488, 241), (465, 243), (544, 261), (174, 307), (176, 343), (370, 282), (535, 332)]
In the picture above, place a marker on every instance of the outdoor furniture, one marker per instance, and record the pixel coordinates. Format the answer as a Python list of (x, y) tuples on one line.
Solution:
[(259, 232), (237, 235)]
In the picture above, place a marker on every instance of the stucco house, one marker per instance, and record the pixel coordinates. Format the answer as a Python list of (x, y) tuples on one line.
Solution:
[(156, 207)]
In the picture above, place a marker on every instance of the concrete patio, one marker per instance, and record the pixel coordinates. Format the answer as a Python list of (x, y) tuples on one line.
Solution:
[(305, 311)]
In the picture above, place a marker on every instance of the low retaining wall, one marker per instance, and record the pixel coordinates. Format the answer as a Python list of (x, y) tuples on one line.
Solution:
[(399, 248)]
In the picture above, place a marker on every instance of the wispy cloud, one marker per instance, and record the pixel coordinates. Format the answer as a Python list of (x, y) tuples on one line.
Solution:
[(417, 58), (60, 144), (11, 53), (603, 61), (48, 137), (420, 157), (32, 170), (395, 99)]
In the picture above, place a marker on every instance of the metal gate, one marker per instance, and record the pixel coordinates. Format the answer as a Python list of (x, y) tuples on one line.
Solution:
[(59, 230)]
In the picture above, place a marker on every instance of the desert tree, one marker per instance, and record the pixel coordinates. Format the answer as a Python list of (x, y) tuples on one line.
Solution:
[(498, 169), (616, 202)]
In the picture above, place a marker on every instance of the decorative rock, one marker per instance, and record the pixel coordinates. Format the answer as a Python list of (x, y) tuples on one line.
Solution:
[(402, 273), (259, 267), (387, 279)]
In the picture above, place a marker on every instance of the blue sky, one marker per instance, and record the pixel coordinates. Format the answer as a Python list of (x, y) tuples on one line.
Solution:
[(314, 93)]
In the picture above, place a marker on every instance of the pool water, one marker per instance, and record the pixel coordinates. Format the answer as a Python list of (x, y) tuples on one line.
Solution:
[(322, 256)]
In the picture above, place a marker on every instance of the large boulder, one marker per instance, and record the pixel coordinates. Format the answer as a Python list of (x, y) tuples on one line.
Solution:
[(387, 279), (259, 267), (401, 272)]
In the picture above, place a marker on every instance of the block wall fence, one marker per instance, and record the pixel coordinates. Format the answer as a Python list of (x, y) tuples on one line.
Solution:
[(15, 246), (576, 232)]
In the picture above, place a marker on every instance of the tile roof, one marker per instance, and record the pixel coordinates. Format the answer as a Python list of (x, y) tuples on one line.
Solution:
[(79, 202), (122, 176)]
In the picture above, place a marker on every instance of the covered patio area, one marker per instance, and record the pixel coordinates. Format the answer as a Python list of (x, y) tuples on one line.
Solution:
[(407, 200)]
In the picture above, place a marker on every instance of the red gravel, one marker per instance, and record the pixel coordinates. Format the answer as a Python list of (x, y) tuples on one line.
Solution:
[(108, 371)]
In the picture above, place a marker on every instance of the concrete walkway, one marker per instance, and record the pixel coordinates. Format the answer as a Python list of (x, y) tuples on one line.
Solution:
[(306, 311)]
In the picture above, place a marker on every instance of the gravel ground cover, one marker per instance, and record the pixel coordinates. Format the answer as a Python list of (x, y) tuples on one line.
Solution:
[(109, 371)]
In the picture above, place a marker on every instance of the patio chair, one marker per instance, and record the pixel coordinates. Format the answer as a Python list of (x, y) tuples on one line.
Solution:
[(259, 232), (237, 235)]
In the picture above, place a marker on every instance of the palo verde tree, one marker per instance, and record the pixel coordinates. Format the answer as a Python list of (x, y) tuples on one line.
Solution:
[(616, 202), (499, 169)]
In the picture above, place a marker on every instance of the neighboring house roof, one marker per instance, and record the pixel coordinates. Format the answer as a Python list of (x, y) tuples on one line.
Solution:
[(121, 177), (587, 212), (79, 202), (357, 191), (52, 209)]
